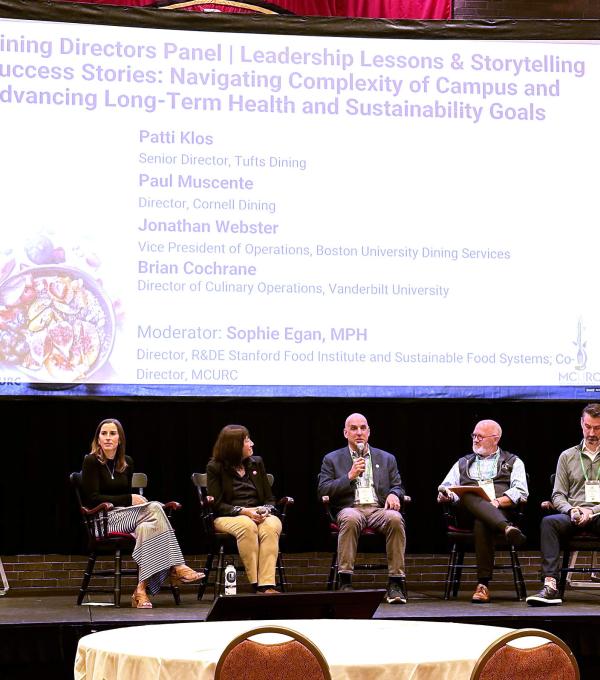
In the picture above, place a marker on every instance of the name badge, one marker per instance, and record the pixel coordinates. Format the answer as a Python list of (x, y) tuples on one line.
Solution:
[(488, 486), (366, 496), (592, 491)]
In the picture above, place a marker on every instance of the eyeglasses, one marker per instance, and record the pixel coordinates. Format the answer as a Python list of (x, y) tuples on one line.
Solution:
[(478, 437)]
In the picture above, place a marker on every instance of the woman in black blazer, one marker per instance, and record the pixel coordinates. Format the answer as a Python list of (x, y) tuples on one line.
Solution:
[(244, 504)]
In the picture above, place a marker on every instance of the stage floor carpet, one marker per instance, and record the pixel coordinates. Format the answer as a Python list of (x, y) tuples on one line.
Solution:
[(39, 635)]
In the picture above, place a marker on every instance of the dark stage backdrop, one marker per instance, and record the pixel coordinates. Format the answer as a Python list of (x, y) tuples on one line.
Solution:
[(44, 440)]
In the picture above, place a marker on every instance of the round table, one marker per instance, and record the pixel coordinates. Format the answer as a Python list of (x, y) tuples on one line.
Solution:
[(355, 649)]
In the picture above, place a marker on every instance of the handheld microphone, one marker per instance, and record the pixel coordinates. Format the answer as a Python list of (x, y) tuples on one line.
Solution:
[(360, 447)]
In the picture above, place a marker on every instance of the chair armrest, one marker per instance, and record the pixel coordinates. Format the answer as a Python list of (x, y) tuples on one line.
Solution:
[(103, 507), (405, 501), (172, 506), (326, 504), (547, 506), (283, 505)]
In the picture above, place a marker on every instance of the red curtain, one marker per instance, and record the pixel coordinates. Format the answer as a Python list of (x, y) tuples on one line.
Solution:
[(384, 9)]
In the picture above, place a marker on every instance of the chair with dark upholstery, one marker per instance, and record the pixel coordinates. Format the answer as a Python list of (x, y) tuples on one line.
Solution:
[(550, 659), (582, 541), (461, 540), (102, 542), (369, 542), (222, 545), (296, 657)]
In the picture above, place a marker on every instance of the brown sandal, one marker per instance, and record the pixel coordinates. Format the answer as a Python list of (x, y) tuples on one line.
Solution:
[(185, 575), (140, 601)]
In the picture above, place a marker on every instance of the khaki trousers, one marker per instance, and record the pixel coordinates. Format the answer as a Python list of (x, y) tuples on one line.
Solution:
[(258, 545), (389, 522)]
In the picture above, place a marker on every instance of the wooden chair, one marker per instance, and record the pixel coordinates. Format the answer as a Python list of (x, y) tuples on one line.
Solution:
[(5, 587), (461, 540), (296, 657), (222, 545), (581, 541), (551, 660), (102, 542), (370, 541)]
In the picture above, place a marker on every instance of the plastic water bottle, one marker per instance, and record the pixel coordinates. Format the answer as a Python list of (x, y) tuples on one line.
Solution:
[(230, 579)]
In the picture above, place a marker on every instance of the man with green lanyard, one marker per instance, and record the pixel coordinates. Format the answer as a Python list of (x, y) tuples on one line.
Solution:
[(576, 497)]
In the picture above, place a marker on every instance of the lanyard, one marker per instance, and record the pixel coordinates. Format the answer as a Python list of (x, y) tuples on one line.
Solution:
[(366, 479), (591, 467), (495, 457)]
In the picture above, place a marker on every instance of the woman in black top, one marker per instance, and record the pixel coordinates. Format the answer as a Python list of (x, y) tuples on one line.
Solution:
[(244, 504), (106, 478)]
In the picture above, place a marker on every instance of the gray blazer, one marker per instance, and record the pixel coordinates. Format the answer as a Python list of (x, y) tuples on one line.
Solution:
[(334, 482)]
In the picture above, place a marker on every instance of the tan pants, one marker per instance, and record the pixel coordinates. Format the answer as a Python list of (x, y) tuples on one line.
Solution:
[(388, 522), (258, 545)]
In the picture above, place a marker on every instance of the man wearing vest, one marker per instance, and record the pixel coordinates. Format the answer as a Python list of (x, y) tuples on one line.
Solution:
[(501, 476), (576, 498)]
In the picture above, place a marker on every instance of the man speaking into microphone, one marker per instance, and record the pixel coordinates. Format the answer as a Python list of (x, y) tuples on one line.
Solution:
[(365, 490)]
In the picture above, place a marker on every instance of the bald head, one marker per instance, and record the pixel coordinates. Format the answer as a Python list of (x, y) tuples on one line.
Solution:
[(490, 426), (356, 429), (486, 436)]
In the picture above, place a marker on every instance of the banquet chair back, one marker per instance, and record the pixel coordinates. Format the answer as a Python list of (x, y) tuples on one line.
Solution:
[(550, 660), (221, 545), (294, 658), (102, 542)]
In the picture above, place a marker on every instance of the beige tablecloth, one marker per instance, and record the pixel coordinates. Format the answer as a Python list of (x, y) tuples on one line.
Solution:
[(354, 649)]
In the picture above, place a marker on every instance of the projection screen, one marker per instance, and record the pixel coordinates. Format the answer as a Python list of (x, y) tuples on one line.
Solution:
[(232, 212)]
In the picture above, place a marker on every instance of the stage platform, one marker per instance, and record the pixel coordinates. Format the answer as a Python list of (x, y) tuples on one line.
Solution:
[(39, 634)]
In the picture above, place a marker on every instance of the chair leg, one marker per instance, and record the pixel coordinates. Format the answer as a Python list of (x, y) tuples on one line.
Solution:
[(176, 594), (562, 581), (332, 580), (207, 570), (458, 567), (118, 573), (281, 572), (517, 574), (572, 564), (450, 573), (89, 570), (220, 577)]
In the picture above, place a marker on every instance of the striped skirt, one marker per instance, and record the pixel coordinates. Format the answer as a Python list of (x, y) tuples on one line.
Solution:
[(156, 548)]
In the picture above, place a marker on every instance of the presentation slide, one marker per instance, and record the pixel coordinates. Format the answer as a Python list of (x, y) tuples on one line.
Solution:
[(212, 213)]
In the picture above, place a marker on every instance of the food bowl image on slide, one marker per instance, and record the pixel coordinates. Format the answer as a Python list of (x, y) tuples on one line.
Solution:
[(57, 325)]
